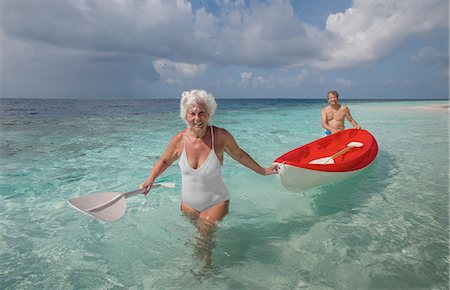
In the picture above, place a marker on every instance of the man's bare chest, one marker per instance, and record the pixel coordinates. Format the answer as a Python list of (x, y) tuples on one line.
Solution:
[(335, 114)]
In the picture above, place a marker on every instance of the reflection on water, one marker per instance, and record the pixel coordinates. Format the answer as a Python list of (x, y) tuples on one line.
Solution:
[(352, 194)]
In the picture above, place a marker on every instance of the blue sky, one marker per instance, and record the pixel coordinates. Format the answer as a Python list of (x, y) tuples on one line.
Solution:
[(365, 49)]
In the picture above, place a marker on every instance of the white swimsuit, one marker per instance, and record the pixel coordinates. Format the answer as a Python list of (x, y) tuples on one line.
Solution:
[(203, 187)]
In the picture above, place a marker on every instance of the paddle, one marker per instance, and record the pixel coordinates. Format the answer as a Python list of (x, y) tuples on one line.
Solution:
[(108, 206), (330, 159)]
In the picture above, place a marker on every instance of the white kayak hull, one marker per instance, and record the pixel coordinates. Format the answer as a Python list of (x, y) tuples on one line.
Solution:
[(297, 179)]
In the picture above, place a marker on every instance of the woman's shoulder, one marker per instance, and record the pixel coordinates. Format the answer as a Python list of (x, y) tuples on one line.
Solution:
[(219, 130), (178, 137), (222, 135)]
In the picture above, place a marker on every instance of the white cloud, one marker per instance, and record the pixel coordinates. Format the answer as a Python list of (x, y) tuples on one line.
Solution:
[(301, 76), (398, 82), (117, 40), (175, 72), (273, 80), (144, 27), (431, 55), (343, 82), (268, 35), (245, 76), (265, 34), (370, 29)]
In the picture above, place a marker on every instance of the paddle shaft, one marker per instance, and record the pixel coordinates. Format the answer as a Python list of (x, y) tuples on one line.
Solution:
[(134, 192), (332, 157), (341, 152)]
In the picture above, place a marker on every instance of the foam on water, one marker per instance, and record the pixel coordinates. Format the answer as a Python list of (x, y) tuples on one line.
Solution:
[(386, 228)]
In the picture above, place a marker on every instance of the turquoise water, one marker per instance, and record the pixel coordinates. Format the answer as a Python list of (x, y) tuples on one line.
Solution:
[(386, 228)]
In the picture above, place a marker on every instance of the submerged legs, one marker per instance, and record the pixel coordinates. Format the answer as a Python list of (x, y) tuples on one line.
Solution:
[(206, 223)]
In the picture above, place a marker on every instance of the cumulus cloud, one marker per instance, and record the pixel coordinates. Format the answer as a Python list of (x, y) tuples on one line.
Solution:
[(370, 29), (431, 55), (179, 42), (398, 82), (148, 27), (175, 72), (272, 81), (343, 82), (267, 35), (301, 76), (246, 76), (261, 35)]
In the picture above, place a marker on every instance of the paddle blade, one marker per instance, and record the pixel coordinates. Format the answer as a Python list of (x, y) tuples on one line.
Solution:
[(323, 161), (355, 144), (112, 212), (106, 206)]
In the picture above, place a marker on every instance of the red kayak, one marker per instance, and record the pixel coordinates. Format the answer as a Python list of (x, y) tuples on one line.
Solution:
[(326, 160)]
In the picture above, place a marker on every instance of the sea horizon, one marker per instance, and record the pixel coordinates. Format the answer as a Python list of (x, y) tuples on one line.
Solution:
[(247, 98)]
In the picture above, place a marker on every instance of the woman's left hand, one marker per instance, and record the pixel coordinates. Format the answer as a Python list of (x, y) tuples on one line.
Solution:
[(271, 170)]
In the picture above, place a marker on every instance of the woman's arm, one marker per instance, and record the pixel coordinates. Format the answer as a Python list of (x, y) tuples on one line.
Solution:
[(233, 149), (169, 156)]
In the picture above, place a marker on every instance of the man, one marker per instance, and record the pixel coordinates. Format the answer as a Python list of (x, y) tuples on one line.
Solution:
[(333, 115)]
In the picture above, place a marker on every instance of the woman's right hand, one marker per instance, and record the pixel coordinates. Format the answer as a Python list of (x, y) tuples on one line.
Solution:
[(147, 185)]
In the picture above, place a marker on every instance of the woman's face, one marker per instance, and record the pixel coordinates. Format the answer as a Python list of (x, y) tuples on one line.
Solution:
[(197, 116)]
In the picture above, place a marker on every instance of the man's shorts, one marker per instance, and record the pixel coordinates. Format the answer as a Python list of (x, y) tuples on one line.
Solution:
[(326, 133)]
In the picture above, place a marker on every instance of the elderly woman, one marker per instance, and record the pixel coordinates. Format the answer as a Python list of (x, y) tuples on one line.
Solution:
[(200, 148)]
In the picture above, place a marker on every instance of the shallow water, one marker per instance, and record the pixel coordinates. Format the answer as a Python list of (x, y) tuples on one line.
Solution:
[(386, 228)]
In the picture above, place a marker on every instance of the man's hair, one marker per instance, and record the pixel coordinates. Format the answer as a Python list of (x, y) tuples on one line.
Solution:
[(333, 93)]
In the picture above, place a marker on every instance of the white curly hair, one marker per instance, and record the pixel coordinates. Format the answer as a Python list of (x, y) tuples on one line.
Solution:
[(192, 98)]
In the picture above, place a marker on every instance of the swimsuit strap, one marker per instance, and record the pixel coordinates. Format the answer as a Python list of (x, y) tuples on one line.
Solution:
[(184, 139), (212, 138)]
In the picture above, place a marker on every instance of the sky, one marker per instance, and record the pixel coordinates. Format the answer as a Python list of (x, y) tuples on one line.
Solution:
[(365, 49)]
